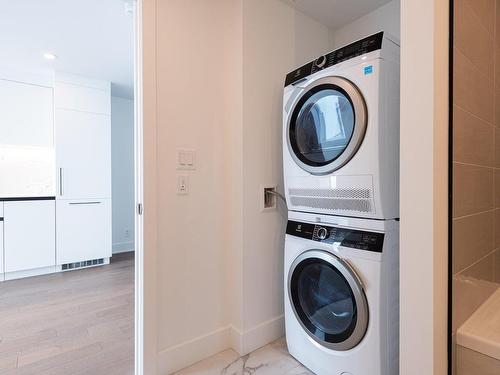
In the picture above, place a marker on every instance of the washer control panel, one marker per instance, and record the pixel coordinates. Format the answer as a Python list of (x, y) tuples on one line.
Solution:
[(356, 239), (360, 47)]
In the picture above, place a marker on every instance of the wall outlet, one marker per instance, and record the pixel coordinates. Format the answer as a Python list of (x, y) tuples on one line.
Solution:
[(127, 233), (183, 185), (267, 201)]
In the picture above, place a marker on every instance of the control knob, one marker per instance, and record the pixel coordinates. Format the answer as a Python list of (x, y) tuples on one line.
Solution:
[(322, 233), (320, 62)]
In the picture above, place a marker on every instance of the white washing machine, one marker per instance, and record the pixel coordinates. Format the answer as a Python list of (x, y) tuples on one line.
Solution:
[(341, 132), (341, 294)]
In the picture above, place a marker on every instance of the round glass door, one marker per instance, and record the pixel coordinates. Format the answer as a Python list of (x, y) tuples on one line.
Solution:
[(328, 300), (327, 125)]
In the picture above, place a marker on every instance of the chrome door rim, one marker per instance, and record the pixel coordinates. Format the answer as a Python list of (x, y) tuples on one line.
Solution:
[(359, 296), (360, 123)]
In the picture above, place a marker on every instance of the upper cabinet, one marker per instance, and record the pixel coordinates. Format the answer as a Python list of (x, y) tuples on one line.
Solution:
[(83, 138), (26, 140)]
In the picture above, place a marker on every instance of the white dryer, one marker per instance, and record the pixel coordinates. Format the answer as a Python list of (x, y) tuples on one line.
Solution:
[(342, 295), (341, 132)]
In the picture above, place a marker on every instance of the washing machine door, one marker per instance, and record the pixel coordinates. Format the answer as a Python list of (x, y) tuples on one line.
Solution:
[(328, 300), (327, 125)]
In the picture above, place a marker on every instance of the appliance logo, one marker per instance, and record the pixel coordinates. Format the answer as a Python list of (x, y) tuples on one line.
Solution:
[(368, 69)]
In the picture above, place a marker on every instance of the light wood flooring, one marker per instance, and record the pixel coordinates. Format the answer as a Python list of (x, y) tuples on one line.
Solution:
[(71, 323)]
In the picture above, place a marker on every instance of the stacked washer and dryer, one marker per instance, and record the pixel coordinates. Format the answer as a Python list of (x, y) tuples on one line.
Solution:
[(341, 173)]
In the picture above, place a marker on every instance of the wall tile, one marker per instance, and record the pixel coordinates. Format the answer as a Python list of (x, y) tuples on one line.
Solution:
[(483, 269), (473, 90), (472, 189), (497, 147), (496, 265), (473, 238), (497, 228), (497, 98), (472, 38), (485, 12), (497, 188), (473, 139)]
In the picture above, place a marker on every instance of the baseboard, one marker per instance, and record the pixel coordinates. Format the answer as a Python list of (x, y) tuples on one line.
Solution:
[(256, 337), (30, 273), (189, 352), (123, 247)]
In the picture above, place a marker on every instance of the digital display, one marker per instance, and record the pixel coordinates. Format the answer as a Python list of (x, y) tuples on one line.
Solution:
[(356, 239)]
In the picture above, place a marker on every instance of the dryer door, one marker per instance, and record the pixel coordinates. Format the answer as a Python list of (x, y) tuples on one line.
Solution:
[(327, 125), (328, 300)]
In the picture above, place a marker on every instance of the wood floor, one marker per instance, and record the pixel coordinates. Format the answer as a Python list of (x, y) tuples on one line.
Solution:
[(72, 323)]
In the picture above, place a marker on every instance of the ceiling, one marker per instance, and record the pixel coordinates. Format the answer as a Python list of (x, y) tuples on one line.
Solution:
[(336, 13), (93, 38)]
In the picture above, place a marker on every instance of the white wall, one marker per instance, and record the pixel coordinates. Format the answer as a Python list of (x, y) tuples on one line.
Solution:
[(385, 18), (276, 39), (198, 95), (122, 168), (219, 91), (424, 190)]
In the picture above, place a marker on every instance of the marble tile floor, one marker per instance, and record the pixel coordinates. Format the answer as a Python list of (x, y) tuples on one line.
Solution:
[(272, 359)]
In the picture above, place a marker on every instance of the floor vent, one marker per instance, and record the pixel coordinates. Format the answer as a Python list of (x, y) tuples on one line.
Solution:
[(82, 264)]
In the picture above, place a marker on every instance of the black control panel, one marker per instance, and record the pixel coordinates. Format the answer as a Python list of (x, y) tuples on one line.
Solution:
[(368, 44), (356, 239)]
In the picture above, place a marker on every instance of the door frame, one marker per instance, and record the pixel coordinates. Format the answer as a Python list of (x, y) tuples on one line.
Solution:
[(138, 191)]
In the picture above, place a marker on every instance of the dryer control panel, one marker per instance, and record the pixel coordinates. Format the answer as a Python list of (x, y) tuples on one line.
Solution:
[(360, 47), (356, 239)]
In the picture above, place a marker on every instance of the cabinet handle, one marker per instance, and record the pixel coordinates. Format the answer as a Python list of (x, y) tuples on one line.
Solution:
[(84, 203), (60, 181)]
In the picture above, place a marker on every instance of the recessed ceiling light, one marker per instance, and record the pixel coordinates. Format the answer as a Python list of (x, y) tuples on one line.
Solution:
[(49, 56)]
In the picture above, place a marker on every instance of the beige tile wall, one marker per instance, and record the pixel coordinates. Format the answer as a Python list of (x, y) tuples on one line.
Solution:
[(476, 155)]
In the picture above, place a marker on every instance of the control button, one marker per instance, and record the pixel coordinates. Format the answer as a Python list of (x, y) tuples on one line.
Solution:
[(320, 62), (322, 233)]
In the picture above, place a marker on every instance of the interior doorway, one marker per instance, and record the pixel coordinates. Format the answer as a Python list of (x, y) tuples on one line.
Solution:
[(71, 167)]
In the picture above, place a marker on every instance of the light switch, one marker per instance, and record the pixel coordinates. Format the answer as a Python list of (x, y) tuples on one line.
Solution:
[(186, 159), (183, 185)]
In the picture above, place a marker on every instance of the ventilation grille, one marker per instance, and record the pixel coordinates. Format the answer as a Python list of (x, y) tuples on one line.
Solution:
[(359, 205), (82, 264), (356, 193)]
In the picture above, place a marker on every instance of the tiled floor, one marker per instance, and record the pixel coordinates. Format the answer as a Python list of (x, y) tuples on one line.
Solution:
[(272, 359)]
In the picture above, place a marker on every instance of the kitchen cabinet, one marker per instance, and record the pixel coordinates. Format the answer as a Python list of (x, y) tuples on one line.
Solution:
[(1, 242), (26, 140), (83, 169), (83, 230), (83, 155), (29, 235)]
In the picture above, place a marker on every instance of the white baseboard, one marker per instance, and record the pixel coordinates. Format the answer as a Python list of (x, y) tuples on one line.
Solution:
[(30, 273), (256, 337), (123, 247), (187, 353), (183, 355)]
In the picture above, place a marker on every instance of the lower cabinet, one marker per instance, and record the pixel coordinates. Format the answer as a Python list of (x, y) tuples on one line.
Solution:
[(83, 230), (29, 235)]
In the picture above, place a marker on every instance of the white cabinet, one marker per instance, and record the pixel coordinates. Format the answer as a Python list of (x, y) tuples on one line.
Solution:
[(83, 230), (1, 242), (82, 98), (83, 168), (83, 155), (29, 235), (26, 140)]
